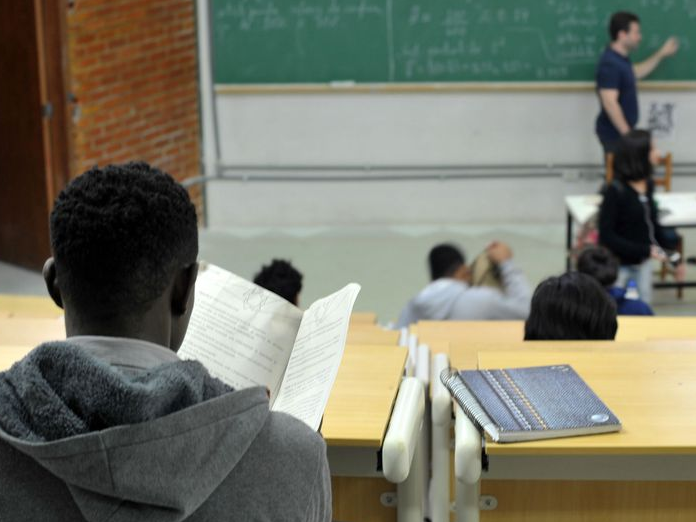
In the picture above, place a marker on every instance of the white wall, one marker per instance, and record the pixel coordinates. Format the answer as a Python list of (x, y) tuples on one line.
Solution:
[(423, 128), (417, 129)]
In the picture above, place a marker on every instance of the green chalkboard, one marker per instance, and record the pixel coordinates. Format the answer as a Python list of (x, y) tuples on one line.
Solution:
[(366, 41)]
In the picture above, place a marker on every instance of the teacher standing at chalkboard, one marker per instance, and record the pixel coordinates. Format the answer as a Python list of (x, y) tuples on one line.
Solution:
[(616, 78)]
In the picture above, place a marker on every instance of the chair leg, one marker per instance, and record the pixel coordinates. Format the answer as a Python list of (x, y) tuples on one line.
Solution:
[(680, 249)]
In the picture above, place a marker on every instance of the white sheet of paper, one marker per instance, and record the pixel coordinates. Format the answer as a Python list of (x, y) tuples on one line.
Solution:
[(242, 333), (316, 357)]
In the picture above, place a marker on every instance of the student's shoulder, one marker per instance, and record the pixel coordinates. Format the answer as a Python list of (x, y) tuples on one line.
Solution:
[(480, 295), (295, 435), (613, 191), (635, 307)]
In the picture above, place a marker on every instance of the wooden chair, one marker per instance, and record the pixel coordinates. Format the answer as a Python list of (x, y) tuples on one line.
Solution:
[(664, 181)]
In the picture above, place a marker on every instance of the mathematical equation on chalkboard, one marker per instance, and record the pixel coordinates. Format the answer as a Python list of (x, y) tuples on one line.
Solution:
[(450, 40)]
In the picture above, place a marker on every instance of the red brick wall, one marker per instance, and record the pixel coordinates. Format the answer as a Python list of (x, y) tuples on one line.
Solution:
[(133, 68)]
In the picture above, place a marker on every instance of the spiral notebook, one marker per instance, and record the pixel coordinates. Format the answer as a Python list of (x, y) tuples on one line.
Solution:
[(521, 404)]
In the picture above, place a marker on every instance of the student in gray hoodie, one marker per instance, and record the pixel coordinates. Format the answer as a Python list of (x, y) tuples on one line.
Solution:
[(450, 296), (110, 424)]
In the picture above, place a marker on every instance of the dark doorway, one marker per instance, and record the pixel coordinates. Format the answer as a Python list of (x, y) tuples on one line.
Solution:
[(34, 149)]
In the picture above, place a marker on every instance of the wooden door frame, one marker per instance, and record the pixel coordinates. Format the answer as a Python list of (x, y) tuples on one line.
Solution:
[(36, 144), (52, 45)]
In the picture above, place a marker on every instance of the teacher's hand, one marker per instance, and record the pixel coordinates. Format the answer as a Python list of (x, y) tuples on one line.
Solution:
[(670, 47)]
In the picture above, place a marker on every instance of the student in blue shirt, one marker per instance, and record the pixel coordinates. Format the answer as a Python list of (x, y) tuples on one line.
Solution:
[(601, 265), (616, 78)]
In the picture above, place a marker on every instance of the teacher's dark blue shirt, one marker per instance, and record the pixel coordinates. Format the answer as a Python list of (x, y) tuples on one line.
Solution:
[(615, 71)]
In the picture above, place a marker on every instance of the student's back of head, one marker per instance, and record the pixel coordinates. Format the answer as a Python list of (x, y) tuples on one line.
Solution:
[(281, 278), (632, 156), (600, 264), (444, 260), (119, 236), (572, 306)]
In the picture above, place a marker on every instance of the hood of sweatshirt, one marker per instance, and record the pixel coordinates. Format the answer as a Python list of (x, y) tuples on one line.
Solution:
[(151, 446), (437, 299)]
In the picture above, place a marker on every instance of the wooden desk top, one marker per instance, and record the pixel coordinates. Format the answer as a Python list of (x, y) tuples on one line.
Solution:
[(30, 332), (363, 317), (465, 355), (29, 306), (430, 331), (652, 393), (656, 328), (631, 328), (10, 354), (363, 395), (371, 334)]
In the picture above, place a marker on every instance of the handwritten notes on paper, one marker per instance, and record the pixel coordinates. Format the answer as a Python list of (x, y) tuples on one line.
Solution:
[(247, 336)]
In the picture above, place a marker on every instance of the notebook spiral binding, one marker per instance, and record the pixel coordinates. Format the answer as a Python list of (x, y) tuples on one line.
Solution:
[(470, 406)]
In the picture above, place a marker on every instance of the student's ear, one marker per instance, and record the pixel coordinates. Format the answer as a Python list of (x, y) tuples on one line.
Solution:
[(182, 293), (49, 275)]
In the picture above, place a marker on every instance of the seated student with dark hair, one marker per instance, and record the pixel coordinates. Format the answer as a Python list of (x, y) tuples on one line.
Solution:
[(450, 295), (600, 264), (110, 424), (281, 278), (571, 307)]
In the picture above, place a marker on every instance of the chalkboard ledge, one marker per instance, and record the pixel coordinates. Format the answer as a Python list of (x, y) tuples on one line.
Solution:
[(368, 88)]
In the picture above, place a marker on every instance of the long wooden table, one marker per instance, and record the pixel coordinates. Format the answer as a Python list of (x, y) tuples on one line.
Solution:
[(465, 355), (371, 334), (29, 306), (647, 472), (355, 423), (631, 328), (30, 331), (363, 317)]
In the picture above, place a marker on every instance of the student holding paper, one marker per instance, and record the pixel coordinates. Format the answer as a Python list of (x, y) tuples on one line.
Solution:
[(450, 295), (111, 424)]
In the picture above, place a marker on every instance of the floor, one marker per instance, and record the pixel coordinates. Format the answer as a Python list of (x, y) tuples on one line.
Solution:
[(389, 262)]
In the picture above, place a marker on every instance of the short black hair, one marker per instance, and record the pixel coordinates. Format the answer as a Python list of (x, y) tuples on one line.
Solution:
[(621, 21), (281, 278), (570, 307), (600, 264), (118, 235), (632, 156), (444, 260)]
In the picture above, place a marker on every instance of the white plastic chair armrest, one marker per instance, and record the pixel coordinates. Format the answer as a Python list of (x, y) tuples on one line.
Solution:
[(423, 364), (441, 399), (467, 449), (404, 430)]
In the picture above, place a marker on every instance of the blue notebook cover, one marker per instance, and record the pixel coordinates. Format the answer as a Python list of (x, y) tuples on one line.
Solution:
[(539, 402)]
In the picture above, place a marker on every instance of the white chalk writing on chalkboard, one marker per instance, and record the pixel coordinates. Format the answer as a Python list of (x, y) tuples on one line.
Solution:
[(441, 41)]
